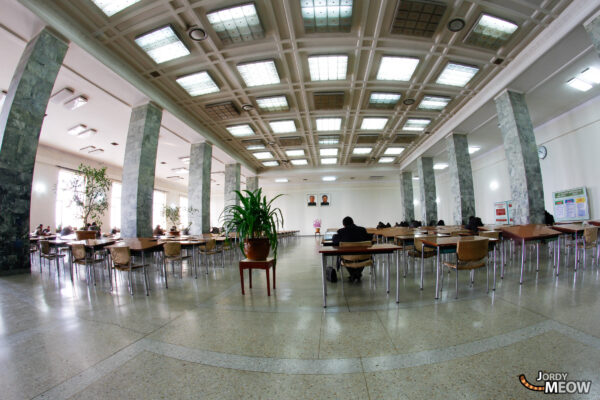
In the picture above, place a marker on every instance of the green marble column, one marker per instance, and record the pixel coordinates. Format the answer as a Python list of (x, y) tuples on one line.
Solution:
[(199, 187), (21, 121), (428, 193), (461, 179), (232, 183), (252, 183), (406, 191)]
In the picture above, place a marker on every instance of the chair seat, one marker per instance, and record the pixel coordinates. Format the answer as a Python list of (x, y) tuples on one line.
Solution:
[(581, 245), (357, 263), (176, 258), (125, 267), (426, 253), (52, 256), (466, 264)]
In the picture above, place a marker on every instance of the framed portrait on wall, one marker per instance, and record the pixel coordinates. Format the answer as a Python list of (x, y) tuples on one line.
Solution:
[(311, 200), (325, 199)]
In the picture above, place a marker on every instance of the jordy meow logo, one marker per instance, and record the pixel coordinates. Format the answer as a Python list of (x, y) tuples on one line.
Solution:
[(556, 383)]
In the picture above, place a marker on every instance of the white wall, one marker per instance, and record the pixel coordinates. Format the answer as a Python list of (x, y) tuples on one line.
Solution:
[(572, 140)]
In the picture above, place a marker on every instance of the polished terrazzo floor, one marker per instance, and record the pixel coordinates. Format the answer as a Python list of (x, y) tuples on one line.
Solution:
[(203, 339)]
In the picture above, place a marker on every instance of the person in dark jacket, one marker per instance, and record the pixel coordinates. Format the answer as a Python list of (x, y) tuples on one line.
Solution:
[(351, 233)]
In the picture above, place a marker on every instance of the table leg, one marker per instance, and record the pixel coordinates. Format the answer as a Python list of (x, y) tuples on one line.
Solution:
[(494, 288), (558, 256), (242, 280), (576, 252), (274, 265), (268, 283), (250, 272), (437, 273), (397, 278), (389, 260), (522, 260), (324, 281)]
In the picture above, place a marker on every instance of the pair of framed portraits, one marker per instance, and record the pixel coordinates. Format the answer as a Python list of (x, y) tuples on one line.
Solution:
[(323, 200)]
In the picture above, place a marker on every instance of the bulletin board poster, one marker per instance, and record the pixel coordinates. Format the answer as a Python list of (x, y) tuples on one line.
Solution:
[(501, 212), (511, 212), (571, 205)]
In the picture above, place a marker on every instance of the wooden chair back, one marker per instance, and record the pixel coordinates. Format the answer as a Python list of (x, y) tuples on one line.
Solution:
[(590, 235), (419, 242), (83, 235), (357, 257), (472, 250), (491, 235), (45, 247), (78, 252), (120, 255), (172, 249), (210, 245)]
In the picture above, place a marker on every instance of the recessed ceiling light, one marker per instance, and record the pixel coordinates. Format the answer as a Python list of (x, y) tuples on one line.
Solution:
[(328, 68), (283, 126), (197, 34), (434, 103), (416, 124), (270, 163), (329, 139), (361, 150), (114, 143), (396, 68), (490, 32), (578, 84), (294, 153), (394, 151), (162, 44), (474, 149), (185, 160), (76, 130), (282, 180), (590, 75), (328, 178), (3, 94), (299, 162), (440, 166), (329, 124), (111, 7), (175, 177), (198, 84), (263, 155), (386, 160), (87, 133), (328, 152), (275, 103), (456, 74), (255, 147), (241, 130), (384, 98), (331, 160), (247, 107), (236, 24), (456, 24), (62, 95), (181, 170), (96, 151), (330, 16), (259, 73), (408, 102), (76, 102), (374, 124)]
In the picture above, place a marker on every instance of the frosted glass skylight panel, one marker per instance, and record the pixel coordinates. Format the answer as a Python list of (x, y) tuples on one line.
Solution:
[(270, 163), (275, 103), (491, 32), (329, 139), (434, 103), (329, 124), (236, 24), (384, 98), (299, 162), (326, 15), (373, 123), (386, 160), (361, 150), (283, 126), (263, 155), (329, 160), (295, 153), (457, 74), (198, 84), (162, 45), (394, 151), (328, 68), (416, 124), (328, 152), (255, 147), (396, 68), (241, 130), (111, 7), (259, 73)]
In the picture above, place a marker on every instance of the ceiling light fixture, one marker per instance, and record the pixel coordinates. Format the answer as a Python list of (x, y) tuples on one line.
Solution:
[(76, 130), (361, 150), (294, 153), (440, 166), (87, 133), (275, 103), (326, 161), (299, 162), (180, 170), (408, 102), (590, 75), (384, 98), (241, 130), (386, 160), (474, 149), (198, 84), (415, 178), (456, 75), (328, 152), (62, 95), (329, 140), (416, 124), (434, 103), (286, 126), (328, 67), (270, 163), (328, 178), (329, 124), (394, 151), (282, 180), (396, 68), (162, 44), (197, 34), (327, 16), (111, 7), (578, 84), (456, 25), (96, 151), (373, 124), (490, 32), (256, 147), (259, 73), (2, 98), (263, 155), (77, 102), (175, 177), (247, 107), (237, 24), (185, 160)]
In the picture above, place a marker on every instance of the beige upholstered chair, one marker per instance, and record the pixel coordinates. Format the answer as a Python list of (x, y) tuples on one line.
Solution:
[(470, 255), (357, 261), (81, 257), (589, 240), (47, 253), (210, 249), (121, 258), (421, 251), (173, 254)]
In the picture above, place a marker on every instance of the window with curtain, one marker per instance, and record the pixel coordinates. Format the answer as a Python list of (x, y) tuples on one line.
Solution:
[(115, 205), (67, 213), (183, 211), (158, 205)]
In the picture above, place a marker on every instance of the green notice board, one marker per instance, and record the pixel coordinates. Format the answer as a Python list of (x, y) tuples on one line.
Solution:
[(571, 205)]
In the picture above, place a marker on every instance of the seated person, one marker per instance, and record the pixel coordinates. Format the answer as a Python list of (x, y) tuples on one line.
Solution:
[(474, 223), (67, 230), (47, 231), (158, 231), (441, 223), (415, 224), (351, 233), (115, 230), (548, 218), (388, 225), (39, 230)]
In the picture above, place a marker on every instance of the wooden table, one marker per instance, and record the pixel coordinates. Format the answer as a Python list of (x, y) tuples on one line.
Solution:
[(526, 233), (571, 229), (258, 264), (189, 242), (595, 223), (450, 242), (351, 250)]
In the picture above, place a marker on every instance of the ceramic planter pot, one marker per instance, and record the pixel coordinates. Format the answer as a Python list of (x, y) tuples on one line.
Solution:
[(257, 249)]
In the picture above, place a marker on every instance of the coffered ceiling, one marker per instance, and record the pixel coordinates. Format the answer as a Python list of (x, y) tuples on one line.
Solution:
[(348, 101)]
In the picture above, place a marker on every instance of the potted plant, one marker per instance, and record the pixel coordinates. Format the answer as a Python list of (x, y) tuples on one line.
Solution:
[(256, 222), (90, 194), (173, 216), (317, 225)]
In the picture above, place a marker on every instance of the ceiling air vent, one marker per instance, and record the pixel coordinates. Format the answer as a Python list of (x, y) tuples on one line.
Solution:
[(155, 74), (417, 18)]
